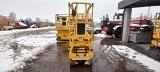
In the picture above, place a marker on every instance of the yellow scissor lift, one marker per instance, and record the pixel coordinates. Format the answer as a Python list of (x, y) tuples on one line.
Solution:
[(81, 42), (62, 27), (155, 48)]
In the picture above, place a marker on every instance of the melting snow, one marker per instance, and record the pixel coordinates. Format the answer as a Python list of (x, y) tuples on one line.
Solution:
[(132, 54), (20, 30), (38, 43), (6, 59), (102, 34)]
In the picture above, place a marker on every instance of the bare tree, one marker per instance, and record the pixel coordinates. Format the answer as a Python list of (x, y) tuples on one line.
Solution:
[(154, 18), (145, 16), (20, 19), (28, 19), (46, 21), (150, 17), (13, 15), (38, 19)]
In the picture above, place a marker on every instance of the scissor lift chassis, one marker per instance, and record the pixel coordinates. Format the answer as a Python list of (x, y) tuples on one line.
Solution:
[(81, 41)]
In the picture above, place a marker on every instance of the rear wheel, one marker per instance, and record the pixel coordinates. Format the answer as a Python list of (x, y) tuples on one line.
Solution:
[(100, 31), (71, 62), (118, 33), (58, 38), (90, 62)]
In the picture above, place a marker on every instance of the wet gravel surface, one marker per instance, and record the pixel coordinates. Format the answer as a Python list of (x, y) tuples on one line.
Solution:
[(55, 59), (142, 48)]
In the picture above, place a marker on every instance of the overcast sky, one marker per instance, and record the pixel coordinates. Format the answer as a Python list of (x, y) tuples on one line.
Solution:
[(48, 8)]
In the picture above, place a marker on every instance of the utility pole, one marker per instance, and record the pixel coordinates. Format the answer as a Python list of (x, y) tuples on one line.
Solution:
[(148, 11)]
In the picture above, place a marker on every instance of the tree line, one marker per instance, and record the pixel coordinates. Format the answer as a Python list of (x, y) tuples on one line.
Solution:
[(30, 20)]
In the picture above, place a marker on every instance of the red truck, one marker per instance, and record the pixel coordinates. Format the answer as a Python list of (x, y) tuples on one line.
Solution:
[(114, 27), (20, 25)]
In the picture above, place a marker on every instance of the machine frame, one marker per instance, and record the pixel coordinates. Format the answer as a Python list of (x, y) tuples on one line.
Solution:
[(62, 30), (81, 42), (155, 48)]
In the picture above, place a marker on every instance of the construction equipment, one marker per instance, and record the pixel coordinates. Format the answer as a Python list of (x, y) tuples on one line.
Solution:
[(114, 27), (62, 27), (20, 25), (39, 24), (81, 42), (6, 23), (155, 48)]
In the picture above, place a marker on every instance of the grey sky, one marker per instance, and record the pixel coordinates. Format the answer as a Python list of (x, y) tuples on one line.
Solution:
[(48, 8)]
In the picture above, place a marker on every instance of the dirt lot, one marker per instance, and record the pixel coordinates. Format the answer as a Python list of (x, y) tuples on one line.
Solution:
[(142, 48), (55, 59)]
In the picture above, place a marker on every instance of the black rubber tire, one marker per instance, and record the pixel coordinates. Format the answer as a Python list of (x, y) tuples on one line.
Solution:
[(71, 62), (81, 62), (100, 31), (148, 28), (109, 33), (118, 32), (96, 32), (58, 39), (91, 62)]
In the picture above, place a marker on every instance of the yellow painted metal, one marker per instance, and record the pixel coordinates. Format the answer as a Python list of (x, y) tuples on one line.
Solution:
[(62, 29), (156, 33), (41, 24), (81, 56), (6, 25), (80, 44)]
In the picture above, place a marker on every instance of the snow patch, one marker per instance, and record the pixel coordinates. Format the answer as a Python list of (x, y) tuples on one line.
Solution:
[(100, 35), (38, 44), (21, 30), (6, 58), (134, 55), (28, 47), (22, 24)]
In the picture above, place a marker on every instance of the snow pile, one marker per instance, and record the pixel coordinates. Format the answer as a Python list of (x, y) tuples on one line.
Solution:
[(102, 34), (35, 45), (22, 24), (21, 30), (134, 55), (26, 48), (36, 40), (7, 32), (6, 59), (6, 53)]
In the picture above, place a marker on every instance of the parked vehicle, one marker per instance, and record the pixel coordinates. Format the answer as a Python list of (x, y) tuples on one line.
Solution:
[(5, 23), (20, 25), (114, 27), (39, 24)]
